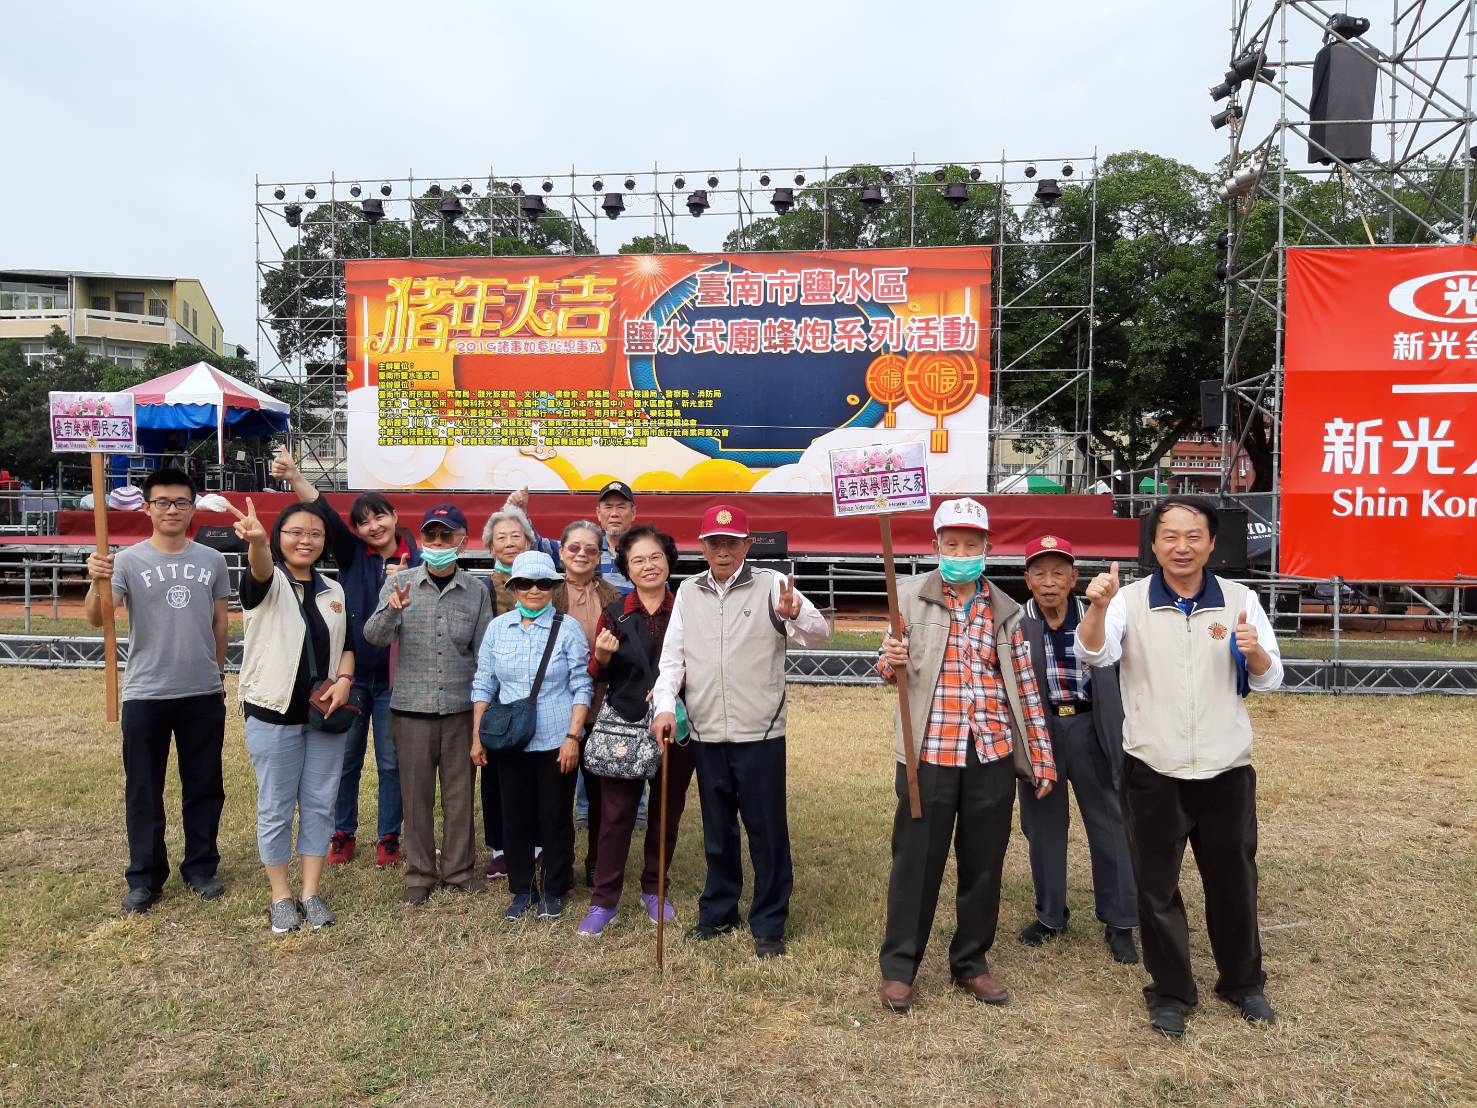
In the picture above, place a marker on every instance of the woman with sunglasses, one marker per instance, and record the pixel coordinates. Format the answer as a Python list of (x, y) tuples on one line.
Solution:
[(297, 628), (537, 782)]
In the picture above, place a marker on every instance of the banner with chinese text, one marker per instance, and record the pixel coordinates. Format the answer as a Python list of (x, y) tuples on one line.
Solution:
[(1379, 424), (678, 372)]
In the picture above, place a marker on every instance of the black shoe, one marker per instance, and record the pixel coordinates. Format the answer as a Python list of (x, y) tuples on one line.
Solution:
[(1120, 942), (1255, 1009), (138, 901), (207, 888), (1035, 933), (1168, 1021), (551, 907), (523, 904), (769, 948), (705, 931)]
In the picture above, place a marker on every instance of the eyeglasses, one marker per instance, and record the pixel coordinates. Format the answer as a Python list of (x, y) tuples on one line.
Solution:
[(582, 548), (179, 504), (659, 558), (531, 586), (296, 534)]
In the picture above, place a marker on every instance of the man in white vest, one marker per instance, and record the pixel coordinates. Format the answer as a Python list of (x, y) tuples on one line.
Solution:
[(1191, 645)]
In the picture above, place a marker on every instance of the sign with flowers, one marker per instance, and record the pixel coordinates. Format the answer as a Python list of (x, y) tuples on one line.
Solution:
[(875, 480)]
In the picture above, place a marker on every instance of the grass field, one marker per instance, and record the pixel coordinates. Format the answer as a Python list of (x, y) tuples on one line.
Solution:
[(1368, 866)]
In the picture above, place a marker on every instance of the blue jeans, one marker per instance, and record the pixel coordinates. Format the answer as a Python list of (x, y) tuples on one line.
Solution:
[(357, 739)]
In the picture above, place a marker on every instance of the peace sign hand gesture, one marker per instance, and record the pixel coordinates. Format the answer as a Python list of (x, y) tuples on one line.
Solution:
[(248, 528), (788, 606), (400, 595)]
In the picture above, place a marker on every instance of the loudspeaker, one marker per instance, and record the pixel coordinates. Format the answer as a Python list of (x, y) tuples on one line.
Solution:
[(1210, 405), (1229, 554), (220, 537), (1344, 79), (770, 545)]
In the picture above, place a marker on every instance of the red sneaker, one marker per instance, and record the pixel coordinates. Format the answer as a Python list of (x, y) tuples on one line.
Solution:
[(387, 851), (340, 849)]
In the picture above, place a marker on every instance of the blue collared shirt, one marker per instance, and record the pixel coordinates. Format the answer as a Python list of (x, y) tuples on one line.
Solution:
[(508, 661)]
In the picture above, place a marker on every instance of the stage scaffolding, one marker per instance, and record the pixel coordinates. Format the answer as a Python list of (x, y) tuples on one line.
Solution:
[(1044, 265), (1416, 189)]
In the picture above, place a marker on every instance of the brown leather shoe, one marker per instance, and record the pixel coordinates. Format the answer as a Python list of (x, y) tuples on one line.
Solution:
[(983, 988), (897, 996), (416, 895)]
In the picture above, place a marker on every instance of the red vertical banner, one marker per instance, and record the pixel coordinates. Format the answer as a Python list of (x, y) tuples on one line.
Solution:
[(1379, 418)]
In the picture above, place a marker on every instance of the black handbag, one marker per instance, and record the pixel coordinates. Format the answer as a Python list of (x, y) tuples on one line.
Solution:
[(348, 713), (509, 727)]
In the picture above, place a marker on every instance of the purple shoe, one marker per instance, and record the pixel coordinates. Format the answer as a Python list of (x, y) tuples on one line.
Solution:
[(596, 920), (497, 866), (648, 901)]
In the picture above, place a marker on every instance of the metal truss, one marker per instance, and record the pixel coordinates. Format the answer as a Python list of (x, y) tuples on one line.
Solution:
[(1417, 189), (1031, 248)]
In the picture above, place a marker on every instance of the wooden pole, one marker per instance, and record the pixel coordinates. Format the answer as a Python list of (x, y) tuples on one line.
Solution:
[(895, 624), (105, 588), (661, 870)]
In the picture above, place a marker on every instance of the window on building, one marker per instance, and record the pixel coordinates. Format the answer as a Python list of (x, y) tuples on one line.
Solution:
[(158, 308), (21, 296), (212, 338), (195, 322), (101, 304), (130, 302)]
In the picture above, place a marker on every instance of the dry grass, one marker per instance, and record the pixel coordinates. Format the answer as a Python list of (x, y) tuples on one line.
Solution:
[(1368, 809)]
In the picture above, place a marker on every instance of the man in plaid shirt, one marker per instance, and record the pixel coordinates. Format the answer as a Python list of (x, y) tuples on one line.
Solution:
[(978, 722)]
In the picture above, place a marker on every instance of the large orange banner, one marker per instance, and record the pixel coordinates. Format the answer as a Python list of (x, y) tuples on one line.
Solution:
[(681, 372), (1379, 425)]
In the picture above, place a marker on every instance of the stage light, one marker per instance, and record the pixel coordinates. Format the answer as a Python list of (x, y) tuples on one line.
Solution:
[(712, 182), (680, 183), (532, 207), (1048, 192), (373, 210), (974, 174), (1220, 119), (434, 190), (956, 193), (280, 193), (630, 183), (782, 200), (887, 176), (800, 178), (516, 188), (697, 203), (451, 209), (293, 213), (1030, 171), (385, 189), (852, 178), (1222, 270), (466, 188), (764, 180), (1223, 242), (1247, 66), (871, 197), (310, 192), (1222, 90), (355, 191), (1348, 26), (1243, 181), (598, 185), (1067, 170), (613, 204), (547, 186), (938, 174)]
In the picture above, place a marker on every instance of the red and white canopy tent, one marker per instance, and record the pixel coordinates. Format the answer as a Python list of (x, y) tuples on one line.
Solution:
[(200, 400)]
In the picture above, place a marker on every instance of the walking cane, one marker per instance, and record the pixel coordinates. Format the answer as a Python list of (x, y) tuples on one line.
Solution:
[(661, 869)]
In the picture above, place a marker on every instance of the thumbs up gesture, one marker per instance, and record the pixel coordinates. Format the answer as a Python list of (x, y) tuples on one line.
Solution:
[(283, 466), (1246, 640), (392, 568), (1103, 588)]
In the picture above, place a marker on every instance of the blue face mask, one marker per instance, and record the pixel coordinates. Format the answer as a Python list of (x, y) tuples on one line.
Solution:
[(502, 567), (531, 613), (438, 557), (961, 571)]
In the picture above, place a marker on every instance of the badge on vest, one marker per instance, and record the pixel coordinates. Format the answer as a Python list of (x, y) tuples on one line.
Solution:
[(1218, 631)]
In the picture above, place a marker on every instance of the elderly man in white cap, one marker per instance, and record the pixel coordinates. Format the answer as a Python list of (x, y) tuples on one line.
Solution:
[(978, 722)]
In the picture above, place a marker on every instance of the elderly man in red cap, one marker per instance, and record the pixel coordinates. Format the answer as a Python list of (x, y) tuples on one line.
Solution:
[(724, 652), (1085, 716), (978, 723)]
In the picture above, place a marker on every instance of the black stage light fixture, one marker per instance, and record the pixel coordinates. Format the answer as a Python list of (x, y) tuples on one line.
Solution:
[(1348, 26), (310, 192), (956, 193), (1222, 270), (547, 186), (1048, 192), (938, 174), (466, 188), (800, 178), (1030, 171), (974, 174), (697, 203), (516, 188), (1222, 90), (1067, 170), (293, 213), (630, 183), (434, 190), (887, 176), (1223, 242), (451, 208), (355, 191), (764, 180), (613, 204), (532, 207), (680, 183), (1220, 119), (373, 210), (712, 182), (1247, 66), (852, 178), (385, 189), (871, 197), (598, 185), (280, 193), (782, 200)]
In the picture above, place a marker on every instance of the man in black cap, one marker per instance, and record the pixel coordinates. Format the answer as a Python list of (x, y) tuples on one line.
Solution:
[(616, 512)]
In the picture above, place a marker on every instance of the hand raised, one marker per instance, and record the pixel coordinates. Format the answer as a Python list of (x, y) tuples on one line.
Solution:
[(283, 466), (392, 568), (400, 595), (1104, 587), (1246, 637), (518, 499), (788, 606), (248, 528)]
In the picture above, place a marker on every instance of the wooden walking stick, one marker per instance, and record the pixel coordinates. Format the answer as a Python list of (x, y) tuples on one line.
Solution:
[(661, 869), (905, 714), (105, 588)]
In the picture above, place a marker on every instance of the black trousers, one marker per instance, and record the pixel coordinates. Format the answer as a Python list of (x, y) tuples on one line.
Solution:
[(538, 810), (1217, 817), (198, 725), (492, 805), (972, 806), (745, 780)]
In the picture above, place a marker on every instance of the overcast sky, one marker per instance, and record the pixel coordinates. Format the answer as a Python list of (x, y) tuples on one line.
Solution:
[(134, 133)]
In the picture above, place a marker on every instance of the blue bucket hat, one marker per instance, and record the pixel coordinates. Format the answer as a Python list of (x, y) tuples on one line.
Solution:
[(534, 565)]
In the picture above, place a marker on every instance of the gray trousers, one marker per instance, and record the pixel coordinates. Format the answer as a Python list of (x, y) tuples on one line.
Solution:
[(296, 767), (1044, 822), (426, 748)]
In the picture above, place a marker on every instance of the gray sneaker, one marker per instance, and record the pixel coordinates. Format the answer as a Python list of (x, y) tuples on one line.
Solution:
[(316, 913), (284, 917)]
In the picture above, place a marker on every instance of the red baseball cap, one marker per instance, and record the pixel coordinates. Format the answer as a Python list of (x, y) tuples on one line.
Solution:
[(1050, 544), (724, 519)]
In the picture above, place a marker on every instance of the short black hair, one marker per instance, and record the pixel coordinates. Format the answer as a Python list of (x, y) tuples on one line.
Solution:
[(635, 535), (287, 513), (1192, 503), (368, 504), (168, 476)]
